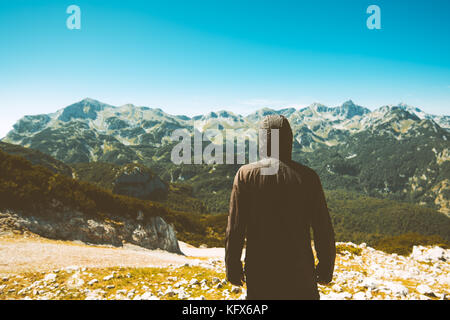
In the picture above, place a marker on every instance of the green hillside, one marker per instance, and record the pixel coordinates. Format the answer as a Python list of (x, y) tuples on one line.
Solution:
[(36, 157), (37, 190), (179, 196)]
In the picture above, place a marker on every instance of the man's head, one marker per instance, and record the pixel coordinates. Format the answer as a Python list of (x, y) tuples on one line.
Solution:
[(285, 136)]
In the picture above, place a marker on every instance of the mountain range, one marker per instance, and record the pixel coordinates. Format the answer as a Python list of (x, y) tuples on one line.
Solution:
[(395, 151)]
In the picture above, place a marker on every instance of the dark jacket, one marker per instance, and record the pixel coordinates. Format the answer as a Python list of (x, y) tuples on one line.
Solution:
[(275, 213)]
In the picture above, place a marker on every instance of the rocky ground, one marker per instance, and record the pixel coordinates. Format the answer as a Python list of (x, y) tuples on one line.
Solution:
[(361, 273)]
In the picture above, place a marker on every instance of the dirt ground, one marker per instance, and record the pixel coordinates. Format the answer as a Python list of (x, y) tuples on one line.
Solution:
[(33, 253)]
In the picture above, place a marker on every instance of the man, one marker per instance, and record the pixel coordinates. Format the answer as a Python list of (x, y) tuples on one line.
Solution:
[(274, 213)]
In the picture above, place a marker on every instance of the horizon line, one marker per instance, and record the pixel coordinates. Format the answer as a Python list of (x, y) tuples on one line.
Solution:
[(296, 107)]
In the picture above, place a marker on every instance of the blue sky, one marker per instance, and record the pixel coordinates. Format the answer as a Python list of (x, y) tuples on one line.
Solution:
[(191, 57)]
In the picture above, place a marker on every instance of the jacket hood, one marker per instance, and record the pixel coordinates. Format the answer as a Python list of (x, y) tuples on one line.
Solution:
[(285, 136)]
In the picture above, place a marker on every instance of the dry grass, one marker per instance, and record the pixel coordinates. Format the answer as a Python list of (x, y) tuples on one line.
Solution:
[(136, 280)]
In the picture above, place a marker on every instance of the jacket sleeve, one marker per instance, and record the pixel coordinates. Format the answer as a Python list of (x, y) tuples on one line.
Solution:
[(324, 239), (235, 233)]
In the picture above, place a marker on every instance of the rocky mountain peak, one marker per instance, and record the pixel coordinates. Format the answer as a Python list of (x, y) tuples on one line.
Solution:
[(84, 109), (348, 109), (259, 114)]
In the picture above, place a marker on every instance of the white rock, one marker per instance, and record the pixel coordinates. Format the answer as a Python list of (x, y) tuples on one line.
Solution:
[(95, 295), (107, 278), (148, 296), (169, 292), (183, 295), (51, 277), (434, 254), (396, 288), (359, 296), (92, 282), (336, 288), (71, 269), (215, 280), (75, 281), (180, 283), (424, 289), (337, 296), (370, 283), (243, 296)]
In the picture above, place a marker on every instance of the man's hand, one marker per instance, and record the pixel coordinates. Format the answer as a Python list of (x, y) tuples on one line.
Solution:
[(319, 281), (236, 278), (320, 277)]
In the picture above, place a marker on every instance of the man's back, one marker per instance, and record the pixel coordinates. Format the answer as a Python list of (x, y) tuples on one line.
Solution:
[(275, 213)]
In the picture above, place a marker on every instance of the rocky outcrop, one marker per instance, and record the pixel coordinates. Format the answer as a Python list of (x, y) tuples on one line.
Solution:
[(147, 232)]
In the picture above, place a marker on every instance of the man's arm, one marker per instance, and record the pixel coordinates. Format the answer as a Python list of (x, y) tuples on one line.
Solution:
[(324, 241), (235, 235)]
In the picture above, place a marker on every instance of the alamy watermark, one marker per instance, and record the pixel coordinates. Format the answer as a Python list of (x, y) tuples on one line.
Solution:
[(374, 20), (74, 20), (190, 148)]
